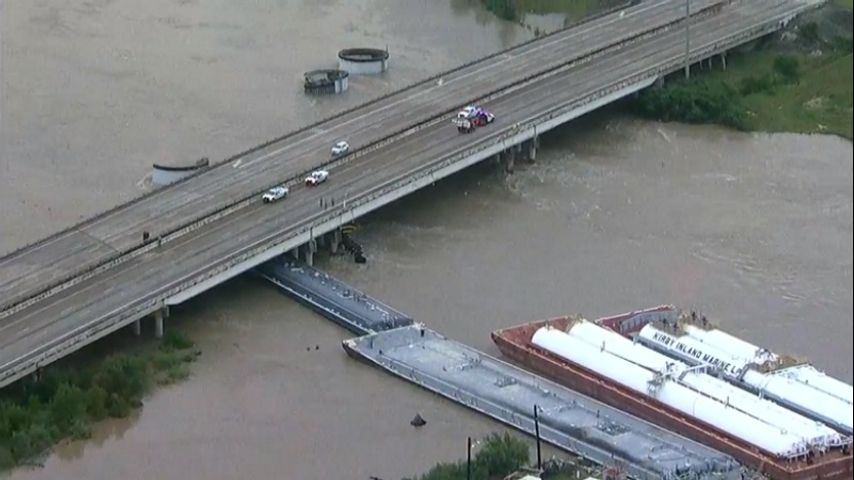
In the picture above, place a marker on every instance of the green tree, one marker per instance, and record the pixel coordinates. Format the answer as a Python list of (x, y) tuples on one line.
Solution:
[(68, 407), (502, 454)]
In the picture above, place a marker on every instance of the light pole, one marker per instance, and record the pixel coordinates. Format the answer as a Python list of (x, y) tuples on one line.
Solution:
[(687, 38)]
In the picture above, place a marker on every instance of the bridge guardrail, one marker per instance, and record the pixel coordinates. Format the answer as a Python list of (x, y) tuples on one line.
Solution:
[(319, 123), (16, 304), (105, 322)]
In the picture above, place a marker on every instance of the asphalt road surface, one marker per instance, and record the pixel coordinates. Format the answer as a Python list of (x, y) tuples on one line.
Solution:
[(52, 261), (107, 294)]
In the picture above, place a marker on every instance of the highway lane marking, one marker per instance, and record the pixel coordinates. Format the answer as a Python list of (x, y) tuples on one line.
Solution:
[(495, 132), (430, 90), (239, 161), (579, 30), (508, 56)]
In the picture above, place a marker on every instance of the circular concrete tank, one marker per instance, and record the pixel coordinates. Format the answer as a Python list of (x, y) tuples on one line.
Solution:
[(164, 175), (326, 81), (363, 61)]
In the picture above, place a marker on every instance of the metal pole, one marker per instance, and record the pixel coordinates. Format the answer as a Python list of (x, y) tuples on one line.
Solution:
[(687, 37), (537, 432), (468, 461)]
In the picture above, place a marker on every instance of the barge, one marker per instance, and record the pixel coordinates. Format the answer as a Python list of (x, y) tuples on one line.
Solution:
[(690, 398), (567, 419)]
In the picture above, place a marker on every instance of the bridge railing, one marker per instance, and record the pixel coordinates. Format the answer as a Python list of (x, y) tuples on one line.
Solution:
[(16, 304), (303, 129), (124, 315)]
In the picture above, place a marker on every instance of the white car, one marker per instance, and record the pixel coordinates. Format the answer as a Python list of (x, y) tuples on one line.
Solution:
[(316, 178), (275, 193), (340, 148)]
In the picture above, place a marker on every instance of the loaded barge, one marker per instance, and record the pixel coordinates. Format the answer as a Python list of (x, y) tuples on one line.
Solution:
[(567, 419), (608, 360)]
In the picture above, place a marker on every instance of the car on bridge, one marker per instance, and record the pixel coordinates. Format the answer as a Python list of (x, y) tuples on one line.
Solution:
[(316, 178), (467, 111), (478, 117), (275, 193), (340, 148)]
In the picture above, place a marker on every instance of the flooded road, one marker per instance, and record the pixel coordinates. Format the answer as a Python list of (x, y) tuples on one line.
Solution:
[(617, 214)]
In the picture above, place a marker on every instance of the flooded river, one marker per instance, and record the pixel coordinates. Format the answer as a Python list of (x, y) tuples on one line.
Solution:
[(617, 214)]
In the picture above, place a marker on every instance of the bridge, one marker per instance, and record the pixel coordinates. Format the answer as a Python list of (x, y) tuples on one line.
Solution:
[(139, 258)]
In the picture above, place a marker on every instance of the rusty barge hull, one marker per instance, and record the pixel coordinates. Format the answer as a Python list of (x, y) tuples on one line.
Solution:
[(515, 343)]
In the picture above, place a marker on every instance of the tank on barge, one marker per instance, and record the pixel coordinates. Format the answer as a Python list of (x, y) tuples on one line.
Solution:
[(686, 397)]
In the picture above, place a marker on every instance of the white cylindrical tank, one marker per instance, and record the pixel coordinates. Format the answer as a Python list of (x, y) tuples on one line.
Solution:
[(624, 348), (807, 399), (679, 397), (809, 375), (810, 431), (692, 350), (732, 345)]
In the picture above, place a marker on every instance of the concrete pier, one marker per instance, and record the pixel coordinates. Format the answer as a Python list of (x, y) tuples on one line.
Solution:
[(137, 327), (334, 240), (510, 160), (310, 248), (158, 324)]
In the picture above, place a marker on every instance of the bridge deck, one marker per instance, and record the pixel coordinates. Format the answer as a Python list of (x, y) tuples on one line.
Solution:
[(54, 326), (42, 265)]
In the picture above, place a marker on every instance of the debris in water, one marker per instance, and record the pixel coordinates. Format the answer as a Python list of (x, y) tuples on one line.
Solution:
[(418, 421)]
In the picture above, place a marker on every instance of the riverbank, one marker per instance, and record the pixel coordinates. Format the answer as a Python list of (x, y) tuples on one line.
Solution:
[(69, 397), (798, 81)]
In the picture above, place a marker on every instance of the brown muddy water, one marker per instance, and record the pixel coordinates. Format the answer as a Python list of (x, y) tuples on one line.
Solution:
[(617, 214)]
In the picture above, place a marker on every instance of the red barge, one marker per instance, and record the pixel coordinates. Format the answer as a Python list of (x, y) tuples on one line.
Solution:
[(517, 344)]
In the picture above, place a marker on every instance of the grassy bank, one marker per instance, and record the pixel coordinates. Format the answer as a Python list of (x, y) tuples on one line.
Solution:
[(799, 81), (499, 456), (762, 91), (67, 399)]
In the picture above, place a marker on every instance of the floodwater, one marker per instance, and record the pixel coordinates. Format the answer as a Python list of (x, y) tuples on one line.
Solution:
[(753, 230)]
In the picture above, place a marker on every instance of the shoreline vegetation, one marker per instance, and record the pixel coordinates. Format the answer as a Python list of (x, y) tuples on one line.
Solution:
[(501, 455), (69, 397), (798, 80)]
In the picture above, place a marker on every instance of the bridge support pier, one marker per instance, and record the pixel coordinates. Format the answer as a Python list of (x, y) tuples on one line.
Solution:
[(535, 145), (510, 160), (158, 324), (295, 253), (723, 60), (334, 240), (310, 248), (137, 327)]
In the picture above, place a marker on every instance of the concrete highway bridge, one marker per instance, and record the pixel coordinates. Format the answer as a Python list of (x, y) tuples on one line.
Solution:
[(80, 284)]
